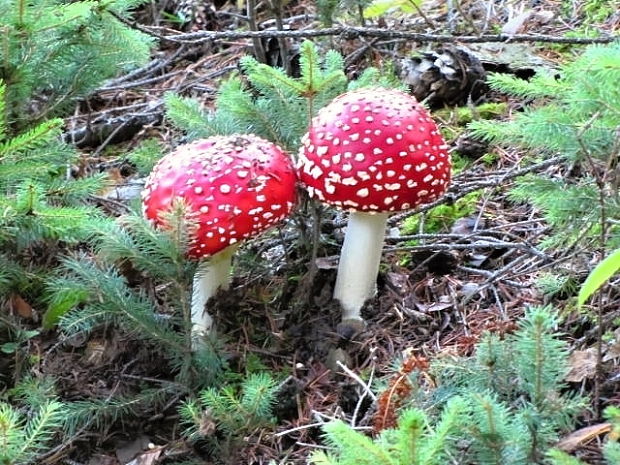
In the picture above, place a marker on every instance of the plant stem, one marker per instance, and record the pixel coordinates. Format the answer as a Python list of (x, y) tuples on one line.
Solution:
[(276, 7), (211, 275), (359, 262), (258, 45), (22, 7), (601, 181)]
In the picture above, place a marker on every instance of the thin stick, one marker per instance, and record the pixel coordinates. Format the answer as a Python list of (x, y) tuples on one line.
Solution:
[(349, 32), (359, 380)]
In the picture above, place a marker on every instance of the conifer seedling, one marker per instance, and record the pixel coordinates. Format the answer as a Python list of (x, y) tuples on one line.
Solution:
[(233, 187), (372, 151)]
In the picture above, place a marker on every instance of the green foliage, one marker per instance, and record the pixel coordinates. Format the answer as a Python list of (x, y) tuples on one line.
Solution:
[(575, 116), (105, 296), (145, 156), (599, 275), (330, 10), (523, 375), (272, 105), (505, 405), (235, 411), (557, 283), (413, 442), (97, 414), (25, 435), (52, 51), (571, 208), (40, 205), (381, 7), (89, 292)]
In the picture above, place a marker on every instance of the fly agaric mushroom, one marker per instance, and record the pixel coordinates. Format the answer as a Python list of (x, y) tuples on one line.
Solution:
[(372, 151), (234, 187)]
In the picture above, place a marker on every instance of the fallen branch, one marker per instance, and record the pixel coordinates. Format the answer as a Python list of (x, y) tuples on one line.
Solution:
[(349, 32), (485, 244)]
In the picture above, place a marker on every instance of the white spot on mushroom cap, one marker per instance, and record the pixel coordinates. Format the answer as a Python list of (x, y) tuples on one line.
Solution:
[(322, 150)]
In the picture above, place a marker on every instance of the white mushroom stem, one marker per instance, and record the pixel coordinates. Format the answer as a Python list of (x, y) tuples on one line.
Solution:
[(358, 268), (212, 274)]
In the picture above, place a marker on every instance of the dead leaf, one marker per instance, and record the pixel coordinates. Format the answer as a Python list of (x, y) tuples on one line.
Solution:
[(466, 225), (100, 459), (101, 351), (612, 352), (147, 458), (327, 263), (434, 307), (578, 438), (582, 365), (128, 451), (544, 16), (21, 307), (515, 24), (399, 282)]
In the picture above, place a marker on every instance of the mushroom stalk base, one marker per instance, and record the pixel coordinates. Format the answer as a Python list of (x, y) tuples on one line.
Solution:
[(211, 275), (359, 262)]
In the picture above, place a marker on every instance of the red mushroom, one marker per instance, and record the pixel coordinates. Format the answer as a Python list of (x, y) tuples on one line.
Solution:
[(234, 187), (372, 151)]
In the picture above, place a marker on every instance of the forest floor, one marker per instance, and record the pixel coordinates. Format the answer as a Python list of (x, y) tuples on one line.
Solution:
[(435, 297)]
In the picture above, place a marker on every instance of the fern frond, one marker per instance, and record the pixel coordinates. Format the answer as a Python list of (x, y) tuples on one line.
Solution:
[(99, 413), (40, 429), (146, 155), (258, 396), (32, 139), (557, 457), (352, 447), (542, 360), (323, 458), (3, 116), (112, 301), (498, 437), (184, 112), (412, 424), (11, 432), (439, 442), (543, 84)]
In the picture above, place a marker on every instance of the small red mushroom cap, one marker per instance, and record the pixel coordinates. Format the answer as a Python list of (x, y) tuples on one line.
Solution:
[(374, 150), (234, 188)]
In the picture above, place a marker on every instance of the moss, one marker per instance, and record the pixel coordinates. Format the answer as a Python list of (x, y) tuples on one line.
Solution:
[(592, 11), (442, 217), (489, 158), (459, 163), (461, 116)]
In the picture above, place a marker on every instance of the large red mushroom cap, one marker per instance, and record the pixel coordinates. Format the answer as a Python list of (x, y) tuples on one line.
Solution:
[(234, 188), (374, 150)]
